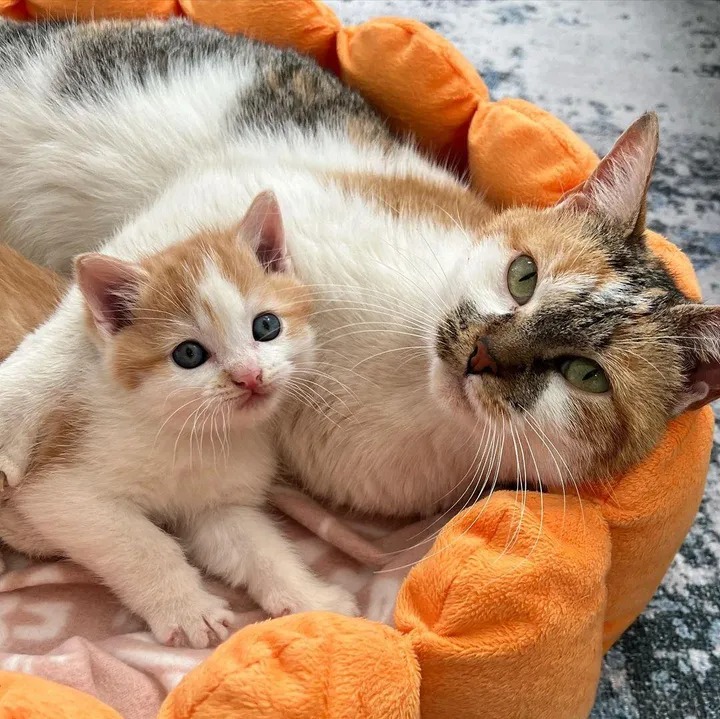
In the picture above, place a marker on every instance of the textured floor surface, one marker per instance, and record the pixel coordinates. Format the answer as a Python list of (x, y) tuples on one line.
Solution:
[(597, 64)]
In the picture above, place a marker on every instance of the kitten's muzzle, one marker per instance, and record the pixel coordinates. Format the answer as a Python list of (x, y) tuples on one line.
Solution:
[(248, 378), (481, 360)]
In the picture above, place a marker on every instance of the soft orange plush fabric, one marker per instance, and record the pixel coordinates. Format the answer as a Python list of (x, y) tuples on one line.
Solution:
[(502, 620), (24, 697)]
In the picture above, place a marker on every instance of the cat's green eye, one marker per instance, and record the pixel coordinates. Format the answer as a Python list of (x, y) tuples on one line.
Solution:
[(585, 374), (522, 278)]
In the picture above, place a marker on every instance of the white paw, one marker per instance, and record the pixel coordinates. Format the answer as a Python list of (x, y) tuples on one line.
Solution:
[(315, 597), (201, 622)]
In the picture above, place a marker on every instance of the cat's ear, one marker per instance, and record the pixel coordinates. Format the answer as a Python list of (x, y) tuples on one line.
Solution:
[(698, 330), (110, 288), (618, 187), (263, 227)]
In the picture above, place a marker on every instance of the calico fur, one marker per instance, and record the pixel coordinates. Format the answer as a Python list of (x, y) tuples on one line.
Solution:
[(171, 129)]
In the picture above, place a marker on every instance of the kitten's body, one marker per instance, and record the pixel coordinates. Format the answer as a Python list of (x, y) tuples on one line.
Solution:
[(386, 242), (146, 443)]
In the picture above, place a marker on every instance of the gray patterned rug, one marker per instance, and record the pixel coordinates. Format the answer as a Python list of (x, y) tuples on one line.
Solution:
[(598, 64)]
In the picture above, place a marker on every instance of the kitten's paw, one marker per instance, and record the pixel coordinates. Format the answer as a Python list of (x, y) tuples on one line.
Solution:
[(318, 597), (202, 622)]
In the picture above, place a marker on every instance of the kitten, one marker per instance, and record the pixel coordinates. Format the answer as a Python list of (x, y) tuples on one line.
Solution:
[(196, 346), (459, 349)]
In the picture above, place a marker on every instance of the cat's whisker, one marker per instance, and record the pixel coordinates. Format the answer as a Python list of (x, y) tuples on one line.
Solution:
[(385, 352), (397, 313), (372, 331), (406, 279), (497, 458), (383, 323), (554, 452), (394, 299), (540, 491), (519, 488), (469, 487)]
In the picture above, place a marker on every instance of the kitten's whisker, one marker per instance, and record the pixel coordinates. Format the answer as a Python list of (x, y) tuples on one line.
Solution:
[(196, 399), (303, 396), (331, 365), (302, 380)]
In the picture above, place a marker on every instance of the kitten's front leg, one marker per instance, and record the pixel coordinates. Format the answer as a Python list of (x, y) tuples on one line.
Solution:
[(145, 567), (244, 547)]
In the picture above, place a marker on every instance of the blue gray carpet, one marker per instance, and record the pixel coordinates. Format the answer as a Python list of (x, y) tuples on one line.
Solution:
[(598, 64)]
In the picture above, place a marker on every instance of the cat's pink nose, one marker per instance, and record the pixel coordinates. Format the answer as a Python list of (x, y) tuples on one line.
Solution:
[(247, 377), (481, 360)]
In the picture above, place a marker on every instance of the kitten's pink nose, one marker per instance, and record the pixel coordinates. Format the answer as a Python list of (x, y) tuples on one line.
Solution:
[(247, 377)]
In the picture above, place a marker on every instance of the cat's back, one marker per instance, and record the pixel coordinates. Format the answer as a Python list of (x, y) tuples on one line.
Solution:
[(97, 119), (87, 63)]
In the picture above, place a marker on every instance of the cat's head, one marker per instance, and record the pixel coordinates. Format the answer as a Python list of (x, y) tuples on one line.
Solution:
[(565, 326), (213, 329)]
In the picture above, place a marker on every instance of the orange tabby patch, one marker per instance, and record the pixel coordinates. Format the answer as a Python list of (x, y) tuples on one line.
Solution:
[(28, 296), (445, 204)]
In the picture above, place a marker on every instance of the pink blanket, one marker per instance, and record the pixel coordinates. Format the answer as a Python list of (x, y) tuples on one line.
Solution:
[(57, 622)]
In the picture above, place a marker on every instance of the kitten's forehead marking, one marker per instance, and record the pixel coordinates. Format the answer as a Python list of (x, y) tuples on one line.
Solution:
[(221, 306)]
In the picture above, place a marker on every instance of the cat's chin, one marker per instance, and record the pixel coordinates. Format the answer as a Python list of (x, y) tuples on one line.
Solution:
[(449, 392)]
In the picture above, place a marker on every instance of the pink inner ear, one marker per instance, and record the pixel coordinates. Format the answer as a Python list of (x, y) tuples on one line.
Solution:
[(263, 227), (618, 186), (705, 375), (109, 286)]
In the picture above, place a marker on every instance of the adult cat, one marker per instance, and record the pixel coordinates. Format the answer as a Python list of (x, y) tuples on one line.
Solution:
[(458, 348)]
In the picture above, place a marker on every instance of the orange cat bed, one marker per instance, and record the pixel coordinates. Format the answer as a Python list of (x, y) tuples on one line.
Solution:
[(481, 630)]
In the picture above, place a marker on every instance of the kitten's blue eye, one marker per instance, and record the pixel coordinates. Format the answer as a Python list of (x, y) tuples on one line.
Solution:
[(190, 354), (266, 327)]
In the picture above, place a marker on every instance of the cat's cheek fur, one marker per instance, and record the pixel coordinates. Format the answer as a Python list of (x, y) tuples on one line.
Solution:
[(451, 394)]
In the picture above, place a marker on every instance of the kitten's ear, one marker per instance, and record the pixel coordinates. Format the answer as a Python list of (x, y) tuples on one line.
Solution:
[(262, 226), (698, 330), (110, 288), (618, 187)]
